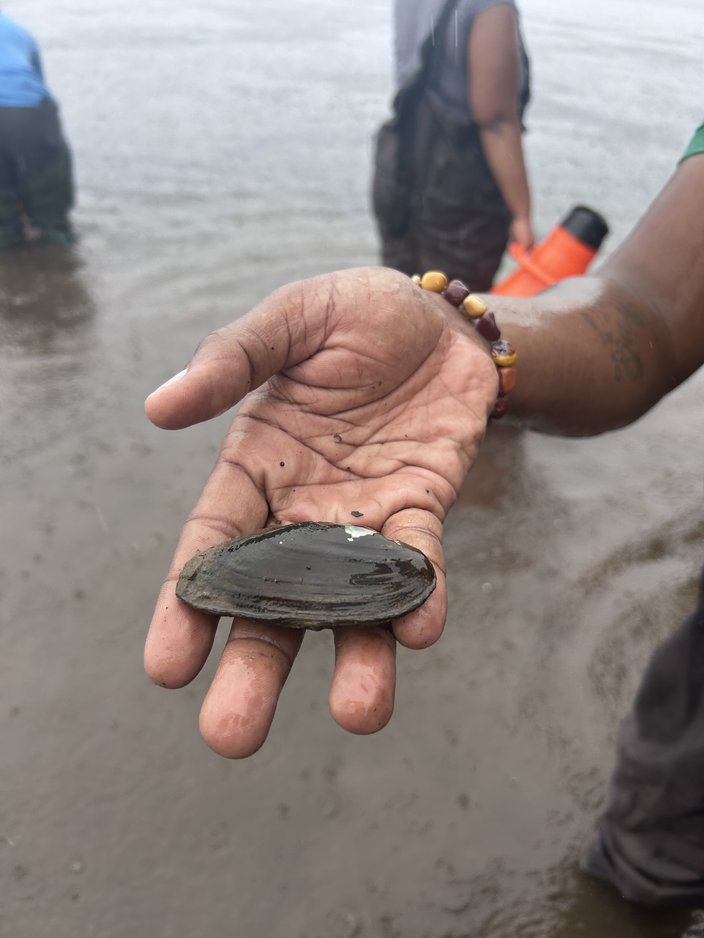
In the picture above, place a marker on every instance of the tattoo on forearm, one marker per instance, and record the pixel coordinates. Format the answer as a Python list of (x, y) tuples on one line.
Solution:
[(618, 335)]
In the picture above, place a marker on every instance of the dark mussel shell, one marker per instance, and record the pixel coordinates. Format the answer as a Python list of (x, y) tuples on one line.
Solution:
[(309, 575)]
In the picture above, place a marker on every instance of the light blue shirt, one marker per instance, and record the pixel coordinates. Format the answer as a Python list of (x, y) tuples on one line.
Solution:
[(21, 79)]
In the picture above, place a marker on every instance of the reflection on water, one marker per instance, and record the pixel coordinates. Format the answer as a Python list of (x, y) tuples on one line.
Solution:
[(45, 306), (47, 343)]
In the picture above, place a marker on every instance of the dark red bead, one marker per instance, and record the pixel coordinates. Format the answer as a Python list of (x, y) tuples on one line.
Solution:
[(486, 326), (500, 408), (455, 292)]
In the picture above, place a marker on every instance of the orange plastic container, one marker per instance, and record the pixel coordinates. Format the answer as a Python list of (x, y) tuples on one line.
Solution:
[(566, 251)]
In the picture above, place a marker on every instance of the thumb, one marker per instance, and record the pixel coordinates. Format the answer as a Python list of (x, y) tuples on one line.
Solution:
[(284, 329)]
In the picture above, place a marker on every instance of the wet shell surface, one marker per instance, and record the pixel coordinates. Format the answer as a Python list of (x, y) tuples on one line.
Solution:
[(309, 575)]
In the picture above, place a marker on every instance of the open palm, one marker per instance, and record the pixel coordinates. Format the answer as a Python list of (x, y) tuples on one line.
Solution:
[(365, 401)]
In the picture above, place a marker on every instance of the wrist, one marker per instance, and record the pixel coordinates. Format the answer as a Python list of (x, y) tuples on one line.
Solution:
[(475, 311)]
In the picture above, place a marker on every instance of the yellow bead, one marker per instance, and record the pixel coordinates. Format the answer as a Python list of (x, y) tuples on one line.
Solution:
[(474, 306), (434, 280), (504, 359), (416, 279)]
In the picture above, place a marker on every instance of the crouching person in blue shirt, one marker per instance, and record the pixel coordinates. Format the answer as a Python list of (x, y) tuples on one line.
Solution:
[(36, 176)]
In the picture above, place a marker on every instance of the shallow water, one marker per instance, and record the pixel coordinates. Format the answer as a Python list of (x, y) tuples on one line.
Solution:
[(222, 150)]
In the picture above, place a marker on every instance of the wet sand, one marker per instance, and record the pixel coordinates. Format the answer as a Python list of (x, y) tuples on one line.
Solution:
[(207, 179)]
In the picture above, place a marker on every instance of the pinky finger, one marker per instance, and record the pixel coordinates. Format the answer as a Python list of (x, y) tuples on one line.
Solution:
[(424, 626), (422, 530)]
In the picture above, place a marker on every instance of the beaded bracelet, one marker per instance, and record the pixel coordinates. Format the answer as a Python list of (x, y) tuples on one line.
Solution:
[(475, 310)]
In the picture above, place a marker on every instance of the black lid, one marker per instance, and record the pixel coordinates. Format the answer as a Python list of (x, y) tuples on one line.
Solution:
[(586, 225)]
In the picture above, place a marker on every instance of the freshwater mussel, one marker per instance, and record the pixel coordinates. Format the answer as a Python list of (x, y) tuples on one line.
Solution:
[(309, 575)]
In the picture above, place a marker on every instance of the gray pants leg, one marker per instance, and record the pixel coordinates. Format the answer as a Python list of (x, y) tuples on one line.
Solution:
[(650, 842)]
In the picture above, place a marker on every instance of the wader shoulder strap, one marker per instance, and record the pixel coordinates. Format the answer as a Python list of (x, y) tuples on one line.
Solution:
[(396, 137), (407, 97)]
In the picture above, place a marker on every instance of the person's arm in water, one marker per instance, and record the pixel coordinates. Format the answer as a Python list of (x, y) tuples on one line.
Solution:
[(493, 86), (388, 422)]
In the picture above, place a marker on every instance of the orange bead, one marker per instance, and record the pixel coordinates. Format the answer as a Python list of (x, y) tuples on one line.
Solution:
[(500, 408), (508, 379)]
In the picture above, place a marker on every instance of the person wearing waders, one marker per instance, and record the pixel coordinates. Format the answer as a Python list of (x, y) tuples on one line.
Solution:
[(450, 187)]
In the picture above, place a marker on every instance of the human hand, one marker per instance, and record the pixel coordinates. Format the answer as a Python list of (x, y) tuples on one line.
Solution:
[(521, 231), (363, 393)]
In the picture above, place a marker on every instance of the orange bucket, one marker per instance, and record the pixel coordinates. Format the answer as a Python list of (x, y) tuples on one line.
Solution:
[(567, 251)]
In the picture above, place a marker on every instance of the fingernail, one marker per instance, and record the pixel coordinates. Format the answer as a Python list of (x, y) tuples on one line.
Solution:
[(171, 381)]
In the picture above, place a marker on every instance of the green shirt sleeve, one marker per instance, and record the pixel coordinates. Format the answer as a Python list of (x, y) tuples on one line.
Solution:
[(696, 144)]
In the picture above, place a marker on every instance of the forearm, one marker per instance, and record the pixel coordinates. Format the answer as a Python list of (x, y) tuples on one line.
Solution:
[(596, 352), (503, 149), (493, 91), (592, 357)]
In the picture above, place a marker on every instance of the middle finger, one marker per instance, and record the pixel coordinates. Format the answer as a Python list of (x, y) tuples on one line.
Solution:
[(239, 707)]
